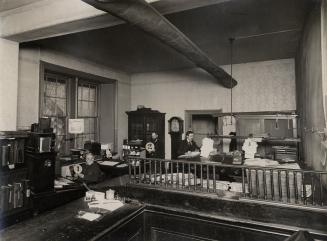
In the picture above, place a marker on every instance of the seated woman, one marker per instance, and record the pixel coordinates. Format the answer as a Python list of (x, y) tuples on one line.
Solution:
[(91, 173)]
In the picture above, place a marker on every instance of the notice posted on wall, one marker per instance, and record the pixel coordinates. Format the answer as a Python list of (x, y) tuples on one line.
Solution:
[(76, 126)]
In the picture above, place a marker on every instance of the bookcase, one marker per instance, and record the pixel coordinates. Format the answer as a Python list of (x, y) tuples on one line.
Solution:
[(14, 185), (144, 121)]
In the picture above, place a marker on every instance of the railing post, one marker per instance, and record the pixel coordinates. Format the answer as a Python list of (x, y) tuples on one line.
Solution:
[(129, 171)]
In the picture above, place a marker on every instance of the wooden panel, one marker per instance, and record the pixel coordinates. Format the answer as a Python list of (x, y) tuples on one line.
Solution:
[(163, 235), (181, 227), (132, 230)]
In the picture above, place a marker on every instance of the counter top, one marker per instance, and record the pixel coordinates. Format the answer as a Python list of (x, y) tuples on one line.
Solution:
[(62, 224)]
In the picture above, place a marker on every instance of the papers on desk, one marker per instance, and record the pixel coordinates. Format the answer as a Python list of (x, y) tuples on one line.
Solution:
[(110, 205), (89, 216), (190, 155), (108, 163), (61, 182), (122, 165)]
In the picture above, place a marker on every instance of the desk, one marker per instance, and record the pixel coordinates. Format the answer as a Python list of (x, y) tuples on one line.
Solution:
[(62, 224)]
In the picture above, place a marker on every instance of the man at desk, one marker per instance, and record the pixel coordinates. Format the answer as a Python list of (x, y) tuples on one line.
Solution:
[(188, 146), (154, 147), (91, 173)]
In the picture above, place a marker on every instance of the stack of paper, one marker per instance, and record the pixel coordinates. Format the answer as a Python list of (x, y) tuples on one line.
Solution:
[(109, 205), (89, 216)]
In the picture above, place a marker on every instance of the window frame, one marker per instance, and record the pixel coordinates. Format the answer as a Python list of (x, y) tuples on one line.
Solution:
[(72, 82), (83, 82)]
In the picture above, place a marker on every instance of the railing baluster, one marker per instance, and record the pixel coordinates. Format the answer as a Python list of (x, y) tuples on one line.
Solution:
[(201, 176), (155, 173), (160, 171), (312, 189), (140, 170), (189, 175), (287, 186), (129, 171), (264, 184), (177, 173), (183, 175), (214, 178), (243, 183), (321, 190), (295, 188), (195, 176), (272, 186), (144, 166), (257, 184), (134, 169), (172, 174), (208, 182), (250, 182), (280, 186), (150, 171), (166, 173), (304, 191)]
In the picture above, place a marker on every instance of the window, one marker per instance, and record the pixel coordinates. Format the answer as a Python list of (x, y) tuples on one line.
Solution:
[(67, 97), (87, 109), (55, 107)]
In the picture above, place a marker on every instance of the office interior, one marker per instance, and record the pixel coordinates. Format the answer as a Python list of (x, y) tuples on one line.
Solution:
[(105, 75)]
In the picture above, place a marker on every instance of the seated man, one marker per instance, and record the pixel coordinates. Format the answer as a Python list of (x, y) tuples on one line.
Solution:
[(156, 150), (188, 146), (91, 173)]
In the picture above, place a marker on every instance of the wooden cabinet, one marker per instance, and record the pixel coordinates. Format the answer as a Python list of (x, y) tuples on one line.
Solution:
[(14, 186), (141, 124)]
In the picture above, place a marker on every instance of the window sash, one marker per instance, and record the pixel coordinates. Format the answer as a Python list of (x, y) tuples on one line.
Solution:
[(59, 103)]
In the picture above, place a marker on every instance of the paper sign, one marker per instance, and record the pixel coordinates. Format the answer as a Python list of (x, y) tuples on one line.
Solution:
[(76, 126)]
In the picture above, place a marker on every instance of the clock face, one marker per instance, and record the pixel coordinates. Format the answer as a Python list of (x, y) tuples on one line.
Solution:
[(174, 125)]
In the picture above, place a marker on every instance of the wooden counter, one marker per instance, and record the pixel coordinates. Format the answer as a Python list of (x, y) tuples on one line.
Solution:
[(62, 224)]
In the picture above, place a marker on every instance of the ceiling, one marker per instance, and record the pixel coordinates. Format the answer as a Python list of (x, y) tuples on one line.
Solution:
[(263, 29), (11, 4)]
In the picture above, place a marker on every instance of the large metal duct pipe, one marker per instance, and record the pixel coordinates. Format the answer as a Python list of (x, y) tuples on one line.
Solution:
[(141, 14)]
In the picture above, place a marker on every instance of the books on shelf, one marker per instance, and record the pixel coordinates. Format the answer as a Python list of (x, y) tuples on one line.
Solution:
[(14, 195)]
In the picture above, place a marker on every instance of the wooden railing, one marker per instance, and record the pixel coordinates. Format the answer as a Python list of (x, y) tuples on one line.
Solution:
[(292, 186)]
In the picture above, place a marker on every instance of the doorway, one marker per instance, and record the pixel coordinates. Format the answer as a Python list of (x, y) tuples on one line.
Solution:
[(203, 123)]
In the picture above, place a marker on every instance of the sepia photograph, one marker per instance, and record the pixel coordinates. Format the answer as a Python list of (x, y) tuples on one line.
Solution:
[(163, 120)]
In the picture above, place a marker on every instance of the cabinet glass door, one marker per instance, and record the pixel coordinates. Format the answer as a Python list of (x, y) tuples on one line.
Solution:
[(136, 128)]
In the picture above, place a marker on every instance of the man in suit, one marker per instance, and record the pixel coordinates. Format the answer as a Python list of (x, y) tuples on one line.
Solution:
[(155, 150), (188, 145)]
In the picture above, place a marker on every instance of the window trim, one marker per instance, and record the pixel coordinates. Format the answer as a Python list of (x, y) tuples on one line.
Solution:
[(73, 77)]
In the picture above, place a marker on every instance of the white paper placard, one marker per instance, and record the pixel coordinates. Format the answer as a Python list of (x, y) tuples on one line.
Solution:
[(76, 126)]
